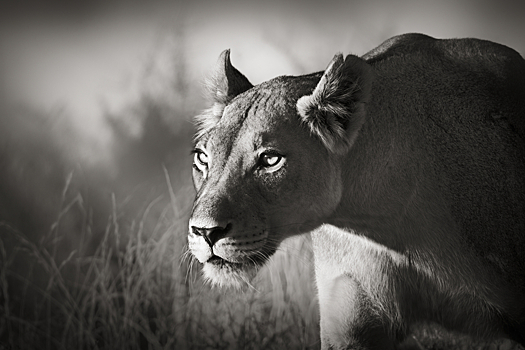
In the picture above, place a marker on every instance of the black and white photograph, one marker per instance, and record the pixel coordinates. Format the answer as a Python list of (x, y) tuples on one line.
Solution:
[(198, 175)]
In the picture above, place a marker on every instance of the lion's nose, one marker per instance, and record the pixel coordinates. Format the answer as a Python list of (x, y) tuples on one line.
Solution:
[(211, 235)]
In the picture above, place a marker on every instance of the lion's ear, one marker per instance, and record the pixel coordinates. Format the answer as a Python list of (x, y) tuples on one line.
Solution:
[(335, 111), (226, 81)]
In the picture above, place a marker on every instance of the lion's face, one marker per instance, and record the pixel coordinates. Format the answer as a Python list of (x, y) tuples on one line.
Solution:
[(259, 172)]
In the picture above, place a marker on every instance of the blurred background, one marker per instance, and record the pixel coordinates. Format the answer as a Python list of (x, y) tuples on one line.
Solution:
[(96, 106)]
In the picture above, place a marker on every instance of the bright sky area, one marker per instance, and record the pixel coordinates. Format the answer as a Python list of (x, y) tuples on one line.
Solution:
[(93, 56)]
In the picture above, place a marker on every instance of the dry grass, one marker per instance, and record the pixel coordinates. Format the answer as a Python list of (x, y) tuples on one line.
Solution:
[(138, 291)]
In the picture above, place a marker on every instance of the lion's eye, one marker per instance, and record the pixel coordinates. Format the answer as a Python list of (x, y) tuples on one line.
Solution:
[(200, 159), (271, 161), (268, 160)]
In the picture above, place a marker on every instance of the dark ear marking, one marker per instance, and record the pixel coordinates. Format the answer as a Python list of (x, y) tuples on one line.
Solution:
[(335, 111), (225, 83)]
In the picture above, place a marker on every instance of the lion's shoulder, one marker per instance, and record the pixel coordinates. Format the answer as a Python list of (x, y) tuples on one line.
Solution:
[(475, 51), (398, 45), (489, 74)]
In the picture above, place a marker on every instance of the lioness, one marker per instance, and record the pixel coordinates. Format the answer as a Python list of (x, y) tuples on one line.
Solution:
[(407, 165)]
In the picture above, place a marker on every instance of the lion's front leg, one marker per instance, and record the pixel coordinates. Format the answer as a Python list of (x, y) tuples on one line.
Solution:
[(348, 320)]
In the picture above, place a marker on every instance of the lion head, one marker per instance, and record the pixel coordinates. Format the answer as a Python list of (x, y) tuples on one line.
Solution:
[(267, 161)]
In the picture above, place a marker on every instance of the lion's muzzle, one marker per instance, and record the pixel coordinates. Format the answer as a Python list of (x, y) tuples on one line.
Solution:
[(211, 235), (224, 242)]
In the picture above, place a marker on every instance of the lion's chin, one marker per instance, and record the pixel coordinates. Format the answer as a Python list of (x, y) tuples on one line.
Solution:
[(233, 275)]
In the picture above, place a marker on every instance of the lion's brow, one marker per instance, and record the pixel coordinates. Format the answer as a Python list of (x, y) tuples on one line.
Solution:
[(255, 103), (240, 126), (235, 125)]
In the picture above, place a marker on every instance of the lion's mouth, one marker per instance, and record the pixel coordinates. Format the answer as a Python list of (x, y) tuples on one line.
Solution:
[(218, 261), (236, 270), (246, 262)]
